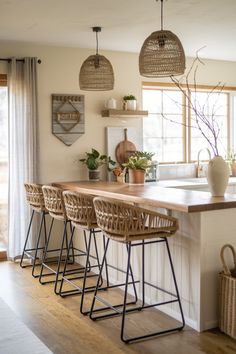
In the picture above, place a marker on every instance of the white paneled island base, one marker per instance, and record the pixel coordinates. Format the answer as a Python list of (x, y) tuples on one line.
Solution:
[(196, 256), (205, 224)]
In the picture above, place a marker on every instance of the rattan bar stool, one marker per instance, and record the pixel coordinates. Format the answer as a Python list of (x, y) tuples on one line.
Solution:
[(80, 210), (35, 199), (55, 205), (134, 227)]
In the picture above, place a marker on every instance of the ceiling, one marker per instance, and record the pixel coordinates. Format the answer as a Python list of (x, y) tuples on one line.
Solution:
[(126, 23)]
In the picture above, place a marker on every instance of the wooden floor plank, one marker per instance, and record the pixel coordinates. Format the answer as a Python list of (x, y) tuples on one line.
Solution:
[(59, 324)]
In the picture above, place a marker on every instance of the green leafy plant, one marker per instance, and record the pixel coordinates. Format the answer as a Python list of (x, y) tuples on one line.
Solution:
[(94, 159), (232, 157), (129, 98), (140, 160)]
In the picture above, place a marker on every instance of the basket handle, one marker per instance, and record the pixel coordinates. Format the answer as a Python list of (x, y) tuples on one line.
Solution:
[(225, 267)]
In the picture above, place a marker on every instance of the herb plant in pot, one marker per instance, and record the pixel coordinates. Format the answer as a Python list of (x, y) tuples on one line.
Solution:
[(93, 160), (130, 103), (137, 165), (232, 160)]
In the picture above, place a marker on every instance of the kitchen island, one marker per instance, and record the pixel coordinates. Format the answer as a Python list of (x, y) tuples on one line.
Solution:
[(206, 223)]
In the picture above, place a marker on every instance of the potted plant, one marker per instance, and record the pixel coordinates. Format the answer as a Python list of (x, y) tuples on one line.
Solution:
[(232, 161), (137, 165), (130, 102), (119, 173), (93, 160)]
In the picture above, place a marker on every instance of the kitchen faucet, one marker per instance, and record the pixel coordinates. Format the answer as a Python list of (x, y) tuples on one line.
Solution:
[(200, 167)]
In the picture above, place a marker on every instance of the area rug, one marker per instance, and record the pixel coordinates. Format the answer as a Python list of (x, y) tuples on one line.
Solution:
[(15, 336)]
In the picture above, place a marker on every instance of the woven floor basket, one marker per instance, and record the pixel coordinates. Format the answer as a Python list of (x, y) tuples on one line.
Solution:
[(228, 295)]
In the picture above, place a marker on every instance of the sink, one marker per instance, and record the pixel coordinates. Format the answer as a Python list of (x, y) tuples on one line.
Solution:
[(194, 180), (195, 184), (201, 185)]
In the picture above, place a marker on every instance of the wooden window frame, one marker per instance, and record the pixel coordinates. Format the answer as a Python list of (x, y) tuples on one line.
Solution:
[(3, 80), (186, 115)]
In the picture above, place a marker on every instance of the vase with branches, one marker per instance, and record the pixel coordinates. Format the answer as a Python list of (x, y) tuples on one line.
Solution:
[(201, 119), (205, 121)]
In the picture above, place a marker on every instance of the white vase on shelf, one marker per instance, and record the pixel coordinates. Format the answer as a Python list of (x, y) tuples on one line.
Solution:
[(111, 103), (218, 176)]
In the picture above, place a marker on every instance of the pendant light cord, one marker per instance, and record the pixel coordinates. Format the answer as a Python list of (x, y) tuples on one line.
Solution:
[(162, 15), (96, 43)]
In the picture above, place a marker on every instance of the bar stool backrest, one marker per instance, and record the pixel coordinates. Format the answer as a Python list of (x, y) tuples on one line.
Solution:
[(125, 222), (34, 196), (54, 202), (80, 209)]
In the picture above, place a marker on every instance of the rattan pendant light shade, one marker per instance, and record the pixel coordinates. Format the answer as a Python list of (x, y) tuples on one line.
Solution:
[(96, 72), (162, 54)]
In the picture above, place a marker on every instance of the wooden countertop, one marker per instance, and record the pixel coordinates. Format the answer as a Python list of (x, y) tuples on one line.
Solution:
[(154, 195)]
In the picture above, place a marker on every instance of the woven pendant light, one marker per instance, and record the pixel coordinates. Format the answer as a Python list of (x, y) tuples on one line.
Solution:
[(96, 72), (162, 54)]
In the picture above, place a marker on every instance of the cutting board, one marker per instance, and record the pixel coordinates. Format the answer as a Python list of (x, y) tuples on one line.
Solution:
[(124, 149)]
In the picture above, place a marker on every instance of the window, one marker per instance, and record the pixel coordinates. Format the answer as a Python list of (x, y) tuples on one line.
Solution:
[(170, 130)]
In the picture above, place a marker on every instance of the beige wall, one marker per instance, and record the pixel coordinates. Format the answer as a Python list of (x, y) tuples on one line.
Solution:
[(58, 73)]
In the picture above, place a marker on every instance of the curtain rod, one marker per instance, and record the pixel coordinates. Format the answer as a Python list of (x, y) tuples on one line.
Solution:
[(39, 61)]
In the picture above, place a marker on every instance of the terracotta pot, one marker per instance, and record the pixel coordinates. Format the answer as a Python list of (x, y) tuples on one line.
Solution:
[(94, 175), (217, 176), (137, 176), (233, 169)]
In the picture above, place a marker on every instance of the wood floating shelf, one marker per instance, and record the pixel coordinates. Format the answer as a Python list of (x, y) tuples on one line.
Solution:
[(118, 113)]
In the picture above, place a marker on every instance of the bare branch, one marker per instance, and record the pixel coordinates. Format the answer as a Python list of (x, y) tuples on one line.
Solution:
[(204, 121)]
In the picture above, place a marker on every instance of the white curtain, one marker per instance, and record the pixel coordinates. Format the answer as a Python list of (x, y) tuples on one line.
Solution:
[(22, 86)]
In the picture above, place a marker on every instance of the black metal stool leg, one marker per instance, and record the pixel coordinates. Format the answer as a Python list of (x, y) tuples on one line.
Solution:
[(175, 282), (99, 279), (72, 245), (132, 276), (143, 275), (26, 240), (64, 238), (126, 292), (97, 255), (45, 252), (66, 261), (86, 248), (85, 276), (37, 243), (45, 231), (106, 266)]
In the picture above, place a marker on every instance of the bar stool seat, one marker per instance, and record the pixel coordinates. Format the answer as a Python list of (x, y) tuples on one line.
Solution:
[(135, 227), (35, 199)]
